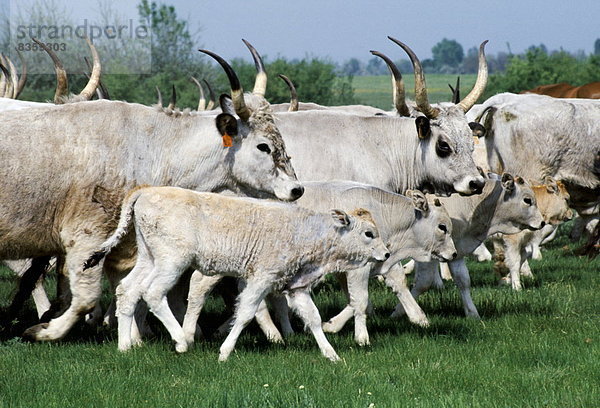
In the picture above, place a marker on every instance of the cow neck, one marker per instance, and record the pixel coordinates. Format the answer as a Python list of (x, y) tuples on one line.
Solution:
[(187, 152), (483, 208)]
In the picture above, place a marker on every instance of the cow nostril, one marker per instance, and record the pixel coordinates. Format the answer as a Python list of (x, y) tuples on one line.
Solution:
[(476, 186), (542, 224), (297, 192), (454, 255), (387, 255)]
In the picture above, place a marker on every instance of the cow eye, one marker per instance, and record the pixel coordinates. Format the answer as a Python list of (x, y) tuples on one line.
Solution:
[(263, 147), (528, 201), (369, 234), (443, 228), (443, 149)]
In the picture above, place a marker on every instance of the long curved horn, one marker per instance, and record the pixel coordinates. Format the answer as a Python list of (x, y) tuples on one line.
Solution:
[(173, 101), (482, 77), (201, 100), (237, 93), (62, 83), (14, 79), (293, 94), (101, 91), (92, 84), (5, 76), (420, 84), (160, 101), (399, 95), (260, 83), (211, 96), (23, 78)]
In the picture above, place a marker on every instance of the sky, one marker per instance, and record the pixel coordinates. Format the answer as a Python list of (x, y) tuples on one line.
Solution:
[(343, 29)]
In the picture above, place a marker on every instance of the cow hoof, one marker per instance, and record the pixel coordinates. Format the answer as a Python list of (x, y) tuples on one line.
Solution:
[(31, 334), (181, 347)]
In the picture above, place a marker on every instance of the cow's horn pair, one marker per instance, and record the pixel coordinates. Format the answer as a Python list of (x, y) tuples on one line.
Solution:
[(62, 85), (237, 93), (202, 105), (421, 86)]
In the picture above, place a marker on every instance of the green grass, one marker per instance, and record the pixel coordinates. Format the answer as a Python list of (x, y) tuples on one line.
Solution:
[(377, 90), (536, 348)]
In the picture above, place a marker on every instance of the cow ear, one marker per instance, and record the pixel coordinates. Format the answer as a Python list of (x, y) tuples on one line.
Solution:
[(551, 185), (341, 218), (228, 128), (477, 128), (419, 201), (423, 127), (226, 104), (508, 182)]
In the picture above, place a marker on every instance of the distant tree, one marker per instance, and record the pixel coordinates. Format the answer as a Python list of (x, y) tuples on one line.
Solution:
[(405, 66), (172, 43), (376, 66), (447, 53), (352, 67), (597, 46)]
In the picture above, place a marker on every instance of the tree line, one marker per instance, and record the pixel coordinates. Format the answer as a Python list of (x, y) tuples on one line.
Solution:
[(171, 57)]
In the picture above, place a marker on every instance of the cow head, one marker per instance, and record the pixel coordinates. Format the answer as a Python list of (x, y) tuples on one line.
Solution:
[(553, 201), (360, 236), (256, 152), (432, 229), (445, 137), (516, 208)]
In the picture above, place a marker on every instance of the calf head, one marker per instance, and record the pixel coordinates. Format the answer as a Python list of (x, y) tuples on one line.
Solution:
[(359, 237), (431, 229), (553, 201), (516, 208), (259, 164)]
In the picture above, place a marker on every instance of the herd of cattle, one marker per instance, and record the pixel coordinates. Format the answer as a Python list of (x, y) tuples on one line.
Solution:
[(165, 203)]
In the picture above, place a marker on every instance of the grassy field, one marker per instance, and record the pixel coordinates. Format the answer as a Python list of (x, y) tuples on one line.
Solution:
[(377, 90), (536, 348)]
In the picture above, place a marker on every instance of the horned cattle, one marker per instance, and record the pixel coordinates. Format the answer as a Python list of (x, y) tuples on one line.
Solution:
[(67, 169)]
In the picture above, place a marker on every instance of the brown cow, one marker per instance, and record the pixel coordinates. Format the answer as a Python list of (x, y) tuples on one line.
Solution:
[(565, 90)]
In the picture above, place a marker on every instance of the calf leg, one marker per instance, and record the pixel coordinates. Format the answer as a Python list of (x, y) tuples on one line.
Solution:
[(263, 318), (396, 280), (248, 301), (461, 277), (200, 287), (302, 304)]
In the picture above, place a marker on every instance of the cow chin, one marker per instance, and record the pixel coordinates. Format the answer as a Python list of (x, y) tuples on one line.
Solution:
[(439, 189)]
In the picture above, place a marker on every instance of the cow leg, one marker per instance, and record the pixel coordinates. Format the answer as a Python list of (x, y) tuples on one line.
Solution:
[(248, 302), (424, 277), (513, 257), (85, 288), (337, 322), (461, 277), (263, 318), (396, 280), (29, 284), (200, 287), (281, 311), (482, 253), (302, 304)]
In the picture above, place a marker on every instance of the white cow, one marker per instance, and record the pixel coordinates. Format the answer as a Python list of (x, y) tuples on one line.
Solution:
[(268, 244), (505, 206)]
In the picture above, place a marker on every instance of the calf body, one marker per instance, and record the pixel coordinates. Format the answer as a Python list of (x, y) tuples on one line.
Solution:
[(268, 244), (506, 206)]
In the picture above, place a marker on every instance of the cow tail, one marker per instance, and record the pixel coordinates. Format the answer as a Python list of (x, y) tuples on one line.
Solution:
[(120, 232)]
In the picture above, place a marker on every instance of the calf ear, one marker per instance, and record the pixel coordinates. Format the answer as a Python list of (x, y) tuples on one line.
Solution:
[(226, 104), (228, 128), (508, 182), (341, 218), (551, 185), (419, 201), (477, 128), (423, 127)]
